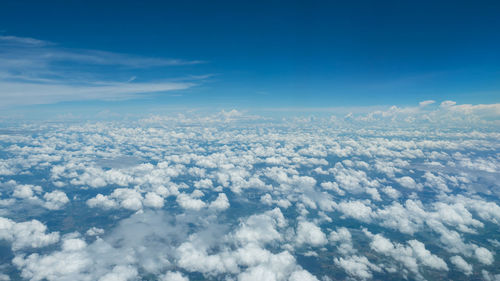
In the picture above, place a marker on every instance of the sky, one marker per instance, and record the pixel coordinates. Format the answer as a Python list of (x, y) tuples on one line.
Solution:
[(131, 55), (249, 140)]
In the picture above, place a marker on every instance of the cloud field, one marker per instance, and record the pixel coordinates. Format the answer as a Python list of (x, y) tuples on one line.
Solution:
[(403, 194)]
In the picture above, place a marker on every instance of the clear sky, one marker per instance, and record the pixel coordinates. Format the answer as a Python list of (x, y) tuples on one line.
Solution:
[(248, 54)]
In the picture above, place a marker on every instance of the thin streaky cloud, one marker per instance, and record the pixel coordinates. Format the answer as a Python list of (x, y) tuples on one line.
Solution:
[(22, 41), (34, 71), (13, 93)]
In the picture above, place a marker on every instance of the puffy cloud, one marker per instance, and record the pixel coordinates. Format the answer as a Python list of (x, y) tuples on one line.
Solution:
[(29, 234), (221, 203), (187, 202), (153, 200), (310, 234), (94, 231), (26, 191), (102, 201), (355, 209), (174, 178), (262, 228), (489, 277), (302, 275), (278, 267), (343, 239), (55, 200), (357, 266), (391, 192), (125, 198), (408, 182), (461, 264), (120, 273), (69, 262), (410, 256), (173, 276), (332, 186), (483, 255)]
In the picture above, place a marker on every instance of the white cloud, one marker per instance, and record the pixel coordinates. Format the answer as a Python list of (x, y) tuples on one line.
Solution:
[(153, 200), (121, 273), (173, 276), (448, 103), (29, 73), (461, 264), (29, 234), (26, 191), (101, 201), (283, 199), (55, 200), (94, 231), (302, 275), (221, 203), (343, 239), (484, 255), (410, 256), (426, 103), (187, 202), (310, 234), (357, 266), (355, 209), (408, 182), (262, 228), (15, 93)]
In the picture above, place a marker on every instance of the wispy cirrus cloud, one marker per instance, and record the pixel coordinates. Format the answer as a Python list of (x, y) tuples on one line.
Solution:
[(17, 93), (34, 71)]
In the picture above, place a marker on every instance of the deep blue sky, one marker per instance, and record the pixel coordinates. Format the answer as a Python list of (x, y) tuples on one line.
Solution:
[(276, 53)]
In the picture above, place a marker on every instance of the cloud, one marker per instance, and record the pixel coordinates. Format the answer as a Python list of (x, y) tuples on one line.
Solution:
[(408, 182), (55, 200), (17, 93), (226, 200), (484, 255), (310, 234), (426, 103), (357, 266), (173, 276), (461, 264), (21, 41), (355, 209), (447, 114), (190, 203), (29, 234), (410, 256), (33, 71), (447, 103), (220, 203)]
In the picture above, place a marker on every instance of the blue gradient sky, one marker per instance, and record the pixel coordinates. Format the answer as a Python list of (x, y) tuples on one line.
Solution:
[(251, 54)]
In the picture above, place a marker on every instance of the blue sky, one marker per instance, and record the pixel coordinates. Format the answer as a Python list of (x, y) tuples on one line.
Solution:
[(254, 54)]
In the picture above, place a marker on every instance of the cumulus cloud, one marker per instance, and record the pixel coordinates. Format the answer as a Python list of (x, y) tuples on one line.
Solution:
[(357, 266), (310, 234), (461, 264), (29, 234), (190, 203), (355, 209), (408, 182), (173, 276), (221, 203), (220, 197), (410, 256), (55, 200)]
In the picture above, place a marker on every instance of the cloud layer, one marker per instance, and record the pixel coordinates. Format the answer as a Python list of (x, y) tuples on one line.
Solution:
[(232, 196)]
